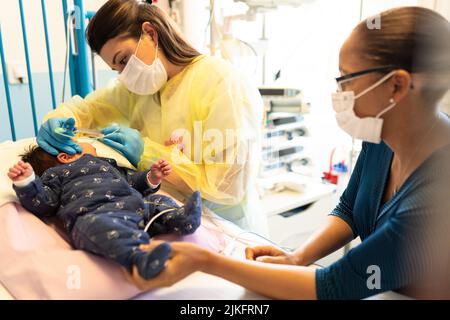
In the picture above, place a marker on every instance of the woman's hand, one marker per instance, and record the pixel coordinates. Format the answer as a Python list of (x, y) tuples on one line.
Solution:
[(266, 279), (269, 254), (126, 140), (186, 258), (55, 136)]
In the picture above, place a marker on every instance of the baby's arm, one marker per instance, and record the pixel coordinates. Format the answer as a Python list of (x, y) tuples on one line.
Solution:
[(147, 182), (39, 196)]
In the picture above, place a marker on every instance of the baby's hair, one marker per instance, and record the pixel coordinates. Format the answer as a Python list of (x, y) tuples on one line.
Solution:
[(39, 159)]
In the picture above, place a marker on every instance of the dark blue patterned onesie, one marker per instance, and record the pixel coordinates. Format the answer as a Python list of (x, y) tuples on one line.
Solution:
[(105, 207)]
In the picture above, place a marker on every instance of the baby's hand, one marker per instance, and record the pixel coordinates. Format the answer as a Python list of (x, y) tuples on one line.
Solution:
[(20, 171), (178, 141), (159, 170)]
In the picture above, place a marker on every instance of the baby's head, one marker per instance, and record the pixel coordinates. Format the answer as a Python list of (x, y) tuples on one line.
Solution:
[(41, 160)]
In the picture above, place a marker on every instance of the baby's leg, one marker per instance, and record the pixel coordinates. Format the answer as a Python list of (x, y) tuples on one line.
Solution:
[(181, 220), (117, 236)]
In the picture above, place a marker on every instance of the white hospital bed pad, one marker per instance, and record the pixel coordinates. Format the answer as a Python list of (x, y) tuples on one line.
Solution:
[(201, 286), (4, 294), (389, 295), (196, 286)]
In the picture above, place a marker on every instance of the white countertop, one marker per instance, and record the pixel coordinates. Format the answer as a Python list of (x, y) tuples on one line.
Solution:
[(309, 191)]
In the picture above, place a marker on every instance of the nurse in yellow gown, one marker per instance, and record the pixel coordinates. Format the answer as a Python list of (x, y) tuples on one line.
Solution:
[(196, 111)]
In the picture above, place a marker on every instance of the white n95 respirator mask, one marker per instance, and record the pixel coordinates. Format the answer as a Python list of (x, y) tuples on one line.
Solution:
[(143, 79), (367, 129)]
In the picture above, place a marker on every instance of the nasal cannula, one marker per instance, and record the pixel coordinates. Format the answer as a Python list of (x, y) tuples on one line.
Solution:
[(85, 133)]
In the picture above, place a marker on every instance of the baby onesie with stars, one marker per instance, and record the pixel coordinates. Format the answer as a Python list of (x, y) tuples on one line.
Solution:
[(104, 209)]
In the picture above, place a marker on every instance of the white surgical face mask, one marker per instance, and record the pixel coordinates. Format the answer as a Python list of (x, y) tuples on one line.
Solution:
[(367, 129), (141, 78)]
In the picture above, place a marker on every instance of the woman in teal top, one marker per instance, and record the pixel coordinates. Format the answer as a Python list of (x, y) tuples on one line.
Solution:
[(398, 198), (393, 232)]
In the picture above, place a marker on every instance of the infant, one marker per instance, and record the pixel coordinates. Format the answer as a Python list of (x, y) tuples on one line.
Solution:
[(104, 207)]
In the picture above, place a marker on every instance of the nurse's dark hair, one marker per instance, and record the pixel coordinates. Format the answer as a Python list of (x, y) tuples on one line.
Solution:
[(124, 18), (414, 39)]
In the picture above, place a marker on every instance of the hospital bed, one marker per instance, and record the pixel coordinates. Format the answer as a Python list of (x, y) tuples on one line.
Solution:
[(36, 261), (31, 251)]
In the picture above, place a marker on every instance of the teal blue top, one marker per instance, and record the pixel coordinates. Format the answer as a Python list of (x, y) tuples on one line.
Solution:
[(395, 238)]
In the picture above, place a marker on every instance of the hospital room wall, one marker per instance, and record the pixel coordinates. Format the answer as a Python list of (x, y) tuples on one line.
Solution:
[(14, 51), (14, 55), (304, 43), (441, 6)]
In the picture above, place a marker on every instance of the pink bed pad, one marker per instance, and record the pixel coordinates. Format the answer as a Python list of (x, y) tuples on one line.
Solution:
[(37, 263)]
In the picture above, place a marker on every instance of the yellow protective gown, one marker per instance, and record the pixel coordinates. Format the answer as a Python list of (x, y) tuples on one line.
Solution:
[(218, 113)]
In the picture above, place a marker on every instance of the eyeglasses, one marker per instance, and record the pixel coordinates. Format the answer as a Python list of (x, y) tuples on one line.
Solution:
[(354, 75)]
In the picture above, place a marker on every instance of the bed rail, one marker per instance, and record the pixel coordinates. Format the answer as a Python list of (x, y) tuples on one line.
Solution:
[(80, 59)]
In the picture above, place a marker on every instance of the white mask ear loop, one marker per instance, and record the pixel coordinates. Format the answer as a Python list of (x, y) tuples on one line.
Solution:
[(393, 104), (376, 84), (139, 43), (156, 55)]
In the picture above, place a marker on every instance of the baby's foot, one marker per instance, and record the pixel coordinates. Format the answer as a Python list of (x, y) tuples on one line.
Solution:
[(191, 217), (193, 205), (151, 263)]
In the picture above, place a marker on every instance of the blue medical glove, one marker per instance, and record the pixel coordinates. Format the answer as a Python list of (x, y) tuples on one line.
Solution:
[(125, 140), (53, 136)]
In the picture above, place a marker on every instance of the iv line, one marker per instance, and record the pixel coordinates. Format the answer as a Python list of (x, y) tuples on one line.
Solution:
[(156, 217)]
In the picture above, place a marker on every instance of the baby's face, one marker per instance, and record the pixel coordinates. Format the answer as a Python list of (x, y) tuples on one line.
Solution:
[(87, 148)]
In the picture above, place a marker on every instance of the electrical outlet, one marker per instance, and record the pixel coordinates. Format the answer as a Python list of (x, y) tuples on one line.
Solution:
[(17, 72)]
